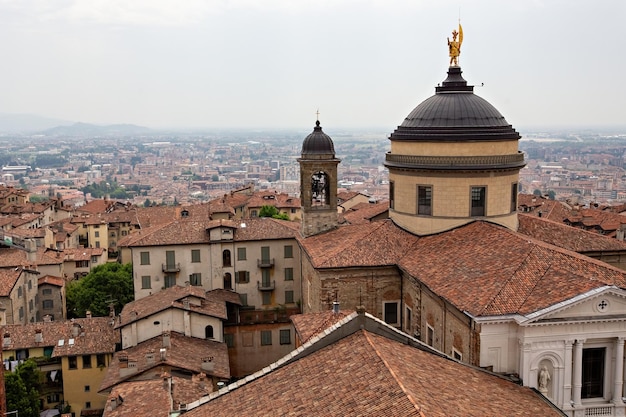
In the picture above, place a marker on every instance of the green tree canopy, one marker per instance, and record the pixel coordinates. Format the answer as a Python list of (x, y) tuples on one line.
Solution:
[(105, 284), (22, 389), (271, 211)]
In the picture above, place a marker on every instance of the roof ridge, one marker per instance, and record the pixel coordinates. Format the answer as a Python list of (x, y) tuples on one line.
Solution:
[(393, 374)]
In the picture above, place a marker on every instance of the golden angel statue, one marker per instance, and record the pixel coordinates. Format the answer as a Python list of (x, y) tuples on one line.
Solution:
[(454, 46)]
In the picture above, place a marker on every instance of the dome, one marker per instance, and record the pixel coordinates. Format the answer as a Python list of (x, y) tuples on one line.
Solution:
[(318, 144), (454, 113)]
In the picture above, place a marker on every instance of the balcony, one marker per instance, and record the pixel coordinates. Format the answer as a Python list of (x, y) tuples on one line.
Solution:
[(266, 285), (265, 263), (170, 267)]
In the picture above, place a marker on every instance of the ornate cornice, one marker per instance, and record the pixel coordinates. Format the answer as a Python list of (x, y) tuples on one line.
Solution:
[(455, 163)]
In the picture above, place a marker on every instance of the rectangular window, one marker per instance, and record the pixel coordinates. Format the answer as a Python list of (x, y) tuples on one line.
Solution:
[(424, 200), (170, 259), (593, 372), (391, 312), (97, 243), (87, 388), (430, 335), (265, 278), (196, 279), (72, 362), (195, 255), (101, 360), (478, 201), (514, 191), (288, 274), (241, 254), (146, 282), (96, 234), (457, 355), (265, 254), (21, 313), (48, 304), (169, 280), (244, 299), (288, 297), (285, 337), (86, 361), (94, 259), (30, 305), (145, 258), (47, 291), (88, 404), (266, 337), (82, 264), (229, 339), (288, 251), (267, 298), (391, 195), (243, 277), (407, 321)]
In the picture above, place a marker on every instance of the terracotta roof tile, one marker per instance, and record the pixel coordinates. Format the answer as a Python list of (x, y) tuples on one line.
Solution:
[(185, 353), (8, 278), (211, 303), (486, 269), (567, 237), (311, 324), (365, 374), (378, 243)]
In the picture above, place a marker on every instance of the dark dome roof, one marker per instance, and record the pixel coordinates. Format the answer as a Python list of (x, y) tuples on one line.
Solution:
[(454, 113), (318, 143)]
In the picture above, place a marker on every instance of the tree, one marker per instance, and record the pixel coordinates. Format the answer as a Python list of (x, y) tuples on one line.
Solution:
[(268, 211), (105, 284), (22, 389), (537, 192), (551, 194), (271, 211)]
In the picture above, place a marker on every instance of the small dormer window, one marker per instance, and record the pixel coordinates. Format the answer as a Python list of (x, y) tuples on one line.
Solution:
[(184, 213)]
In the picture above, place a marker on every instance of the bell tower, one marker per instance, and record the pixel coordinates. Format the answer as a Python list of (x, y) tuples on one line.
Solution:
[(318, 182)]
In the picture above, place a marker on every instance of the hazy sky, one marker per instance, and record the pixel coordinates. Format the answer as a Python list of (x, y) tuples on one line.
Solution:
[(273, 63)]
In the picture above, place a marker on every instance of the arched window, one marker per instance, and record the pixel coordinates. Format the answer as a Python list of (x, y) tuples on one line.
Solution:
[(208, 332), (228, 281), (320, 189), (226, 258)]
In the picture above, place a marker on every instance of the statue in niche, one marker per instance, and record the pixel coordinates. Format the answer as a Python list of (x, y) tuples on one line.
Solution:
[(544, 379)]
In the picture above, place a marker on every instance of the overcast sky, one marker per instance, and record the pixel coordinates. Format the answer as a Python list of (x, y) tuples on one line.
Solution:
[(273, 63)]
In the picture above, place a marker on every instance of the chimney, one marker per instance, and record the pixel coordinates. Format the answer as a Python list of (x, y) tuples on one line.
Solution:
[(336, 307), (163, 354), (166, 339), (75, 330), (38, 336), (186, 303), (47, 318), (88, 314)]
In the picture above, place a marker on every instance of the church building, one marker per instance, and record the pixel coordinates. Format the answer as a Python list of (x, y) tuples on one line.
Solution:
[(449, 266)]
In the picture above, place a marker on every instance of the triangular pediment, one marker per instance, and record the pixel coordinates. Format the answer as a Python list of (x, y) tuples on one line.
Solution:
[(607, 303)]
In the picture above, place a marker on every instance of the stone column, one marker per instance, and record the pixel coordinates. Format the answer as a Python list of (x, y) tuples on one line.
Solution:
[(578, 372), (619, 371), (567, 377)]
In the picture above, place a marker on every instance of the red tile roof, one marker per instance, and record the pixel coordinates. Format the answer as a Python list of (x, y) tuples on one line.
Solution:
[(185, 353), (488, 270), (371, 244), (355, 371), (210, 304), (8, 278), (567, 237), (311, 324), (95, 335)]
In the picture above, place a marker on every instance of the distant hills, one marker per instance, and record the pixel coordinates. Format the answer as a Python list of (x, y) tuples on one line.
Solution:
[(91, 130), (33, 124)]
